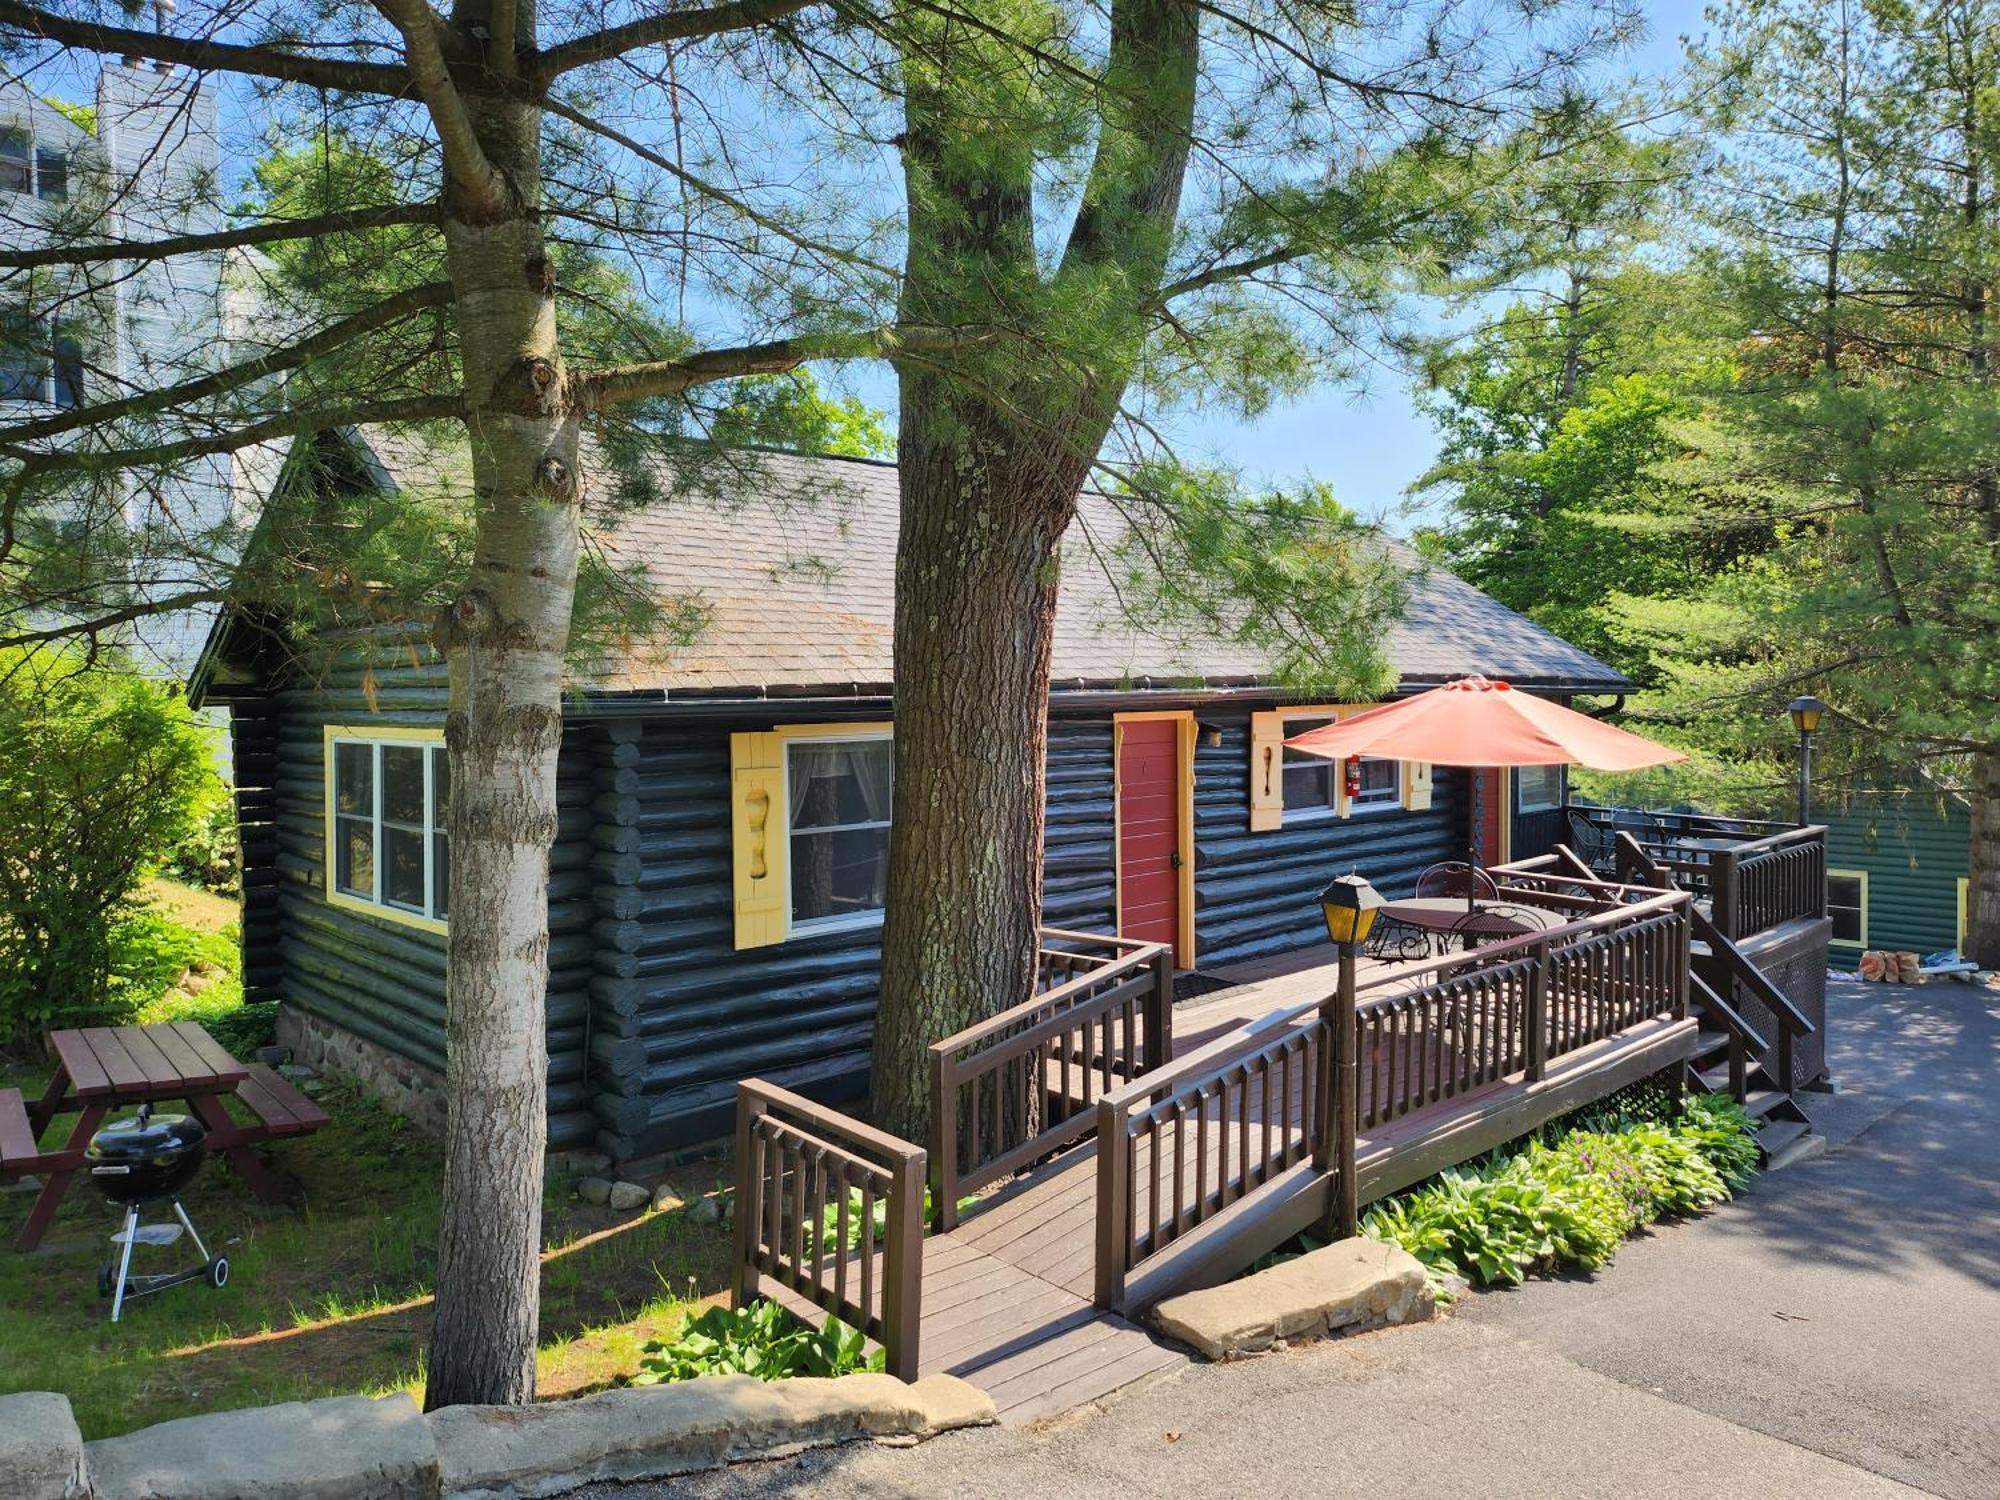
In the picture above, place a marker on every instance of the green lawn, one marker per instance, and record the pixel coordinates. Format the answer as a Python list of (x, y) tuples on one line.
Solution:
[(328, 1294)]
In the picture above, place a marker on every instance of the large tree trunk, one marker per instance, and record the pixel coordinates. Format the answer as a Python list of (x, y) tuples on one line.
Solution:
[(992, 454), (1982, 895), (975, 611), (505, 637)]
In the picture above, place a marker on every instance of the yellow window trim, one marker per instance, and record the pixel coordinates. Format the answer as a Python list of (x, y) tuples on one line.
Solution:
[(1184, 771), (1862, 876), (384, 734), (760, 824), (1267, 784)]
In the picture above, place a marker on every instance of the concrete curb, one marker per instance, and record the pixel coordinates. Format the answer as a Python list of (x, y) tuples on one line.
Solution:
[(653, 1432), (358, 1448), (1347, 1287)]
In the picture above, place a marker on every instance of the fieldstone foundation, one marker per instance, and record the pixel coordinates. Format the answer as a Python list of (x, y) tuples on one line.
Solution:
[(409, 1088)]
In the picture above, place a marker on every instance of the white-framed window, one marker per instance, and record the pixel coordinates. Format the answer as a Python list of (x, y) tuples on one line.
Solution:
[(1847, 905), (1538, 788), (838, 794), (26, 167), (387, 849), (41, 359), (1312, 782)]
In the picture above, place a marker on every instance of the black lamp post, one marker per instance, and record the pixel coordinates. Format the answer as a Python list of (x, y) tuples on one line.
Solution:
[(1805, 718), (1349, 905)]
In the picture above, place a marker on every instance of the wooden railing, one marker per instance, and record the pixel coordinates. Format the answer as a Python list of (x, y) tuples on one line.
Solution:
[(834, 1210), (1770, 882), (1669, 839), (1020, 1085), (1178, 1148)]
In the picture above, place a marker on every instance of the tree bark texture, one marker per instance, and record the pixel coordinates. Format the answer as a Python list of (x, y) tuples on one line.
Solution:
[(504, 638), (1982, 893), (993, 454)]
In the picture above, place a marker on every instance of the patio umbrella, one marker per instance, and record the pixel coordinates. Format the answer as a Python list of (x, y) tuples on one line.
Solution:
[(1476, 723)]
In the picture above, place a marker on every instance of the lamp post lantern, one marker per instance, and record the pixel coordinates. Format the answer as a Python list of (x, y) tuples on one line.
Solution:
[(1349, 905), (1806, 713)]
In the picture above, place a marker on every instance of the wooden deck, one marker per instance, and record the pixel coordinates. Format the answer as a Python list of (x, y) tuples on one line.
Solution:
[(1007, 1297)]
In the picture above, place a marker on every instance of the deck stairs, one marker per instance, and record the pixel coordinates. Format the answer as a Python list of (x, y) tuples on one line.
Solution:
[(1731, 1055)]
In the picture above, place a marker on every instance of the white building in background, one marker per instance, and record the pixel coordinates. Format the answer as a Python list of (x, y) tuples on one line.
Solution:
[(143, 165)]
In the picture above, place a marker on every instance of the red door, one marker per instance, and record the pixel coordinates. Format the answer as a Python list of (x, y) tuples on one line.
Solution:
[(1149, 830)]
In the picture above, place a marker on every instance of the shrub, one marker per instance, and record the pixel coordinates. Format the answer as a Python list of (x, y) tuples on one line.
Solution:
[(762, 1340), (1572, 1201), (101, 773), (208, 855)]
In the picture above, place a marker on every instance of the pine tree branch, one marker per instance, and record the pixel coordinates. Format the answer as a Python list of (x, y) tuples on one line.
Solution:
[(466, 163), (235, 377), (209, 56), (599, 390), (90, 628), (670, 26), (230, 440), (350, 221)]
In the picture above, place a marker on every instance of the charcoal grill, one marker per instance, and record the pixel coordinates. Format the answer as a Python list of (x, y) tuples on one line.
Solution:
[(146, 1158)]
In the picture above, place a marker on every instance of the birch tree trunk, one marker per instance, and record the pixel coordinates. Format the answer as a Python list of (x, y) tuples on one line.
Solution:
[(504, 638)]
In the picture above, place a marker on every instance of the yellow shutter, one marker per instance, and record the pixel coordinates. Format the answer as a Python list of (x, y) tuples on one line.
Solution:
[(758, 835), (1267, 771), (1416, 785)]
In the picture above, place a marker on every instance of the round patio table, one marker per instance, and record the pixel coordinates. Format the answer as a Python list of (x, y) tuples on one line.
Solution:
[(1445, 917)]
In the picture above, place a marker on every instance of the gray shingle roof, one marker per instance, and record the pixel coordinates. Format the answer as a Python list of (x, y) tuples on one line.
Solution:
[(793, 559)]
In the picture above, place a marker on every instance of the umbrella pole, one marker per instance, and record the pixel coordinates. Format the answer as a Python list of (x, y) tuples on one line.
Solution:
[(1472, 845)]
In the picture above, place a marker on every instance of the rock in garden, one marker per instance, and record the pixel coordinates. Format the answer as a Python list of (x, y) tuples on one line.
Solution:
[(626, 1196), (705, 1211), (594, 1190), (296, 1072), (665, 1199), (273, 1056)]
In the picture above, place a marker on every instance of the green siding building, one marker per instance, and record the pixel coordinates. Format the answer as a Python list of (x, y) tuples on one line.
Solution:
[(1896, 870)]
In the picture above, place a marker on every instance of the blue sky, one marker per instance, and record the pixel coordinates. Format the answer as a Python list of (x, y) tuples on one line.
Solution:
[(1370, 443)]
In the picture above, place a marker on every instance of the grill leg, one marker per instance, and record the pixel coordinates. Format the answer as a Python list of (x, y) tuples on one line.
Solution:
[(125, 1259), (193, 1234)]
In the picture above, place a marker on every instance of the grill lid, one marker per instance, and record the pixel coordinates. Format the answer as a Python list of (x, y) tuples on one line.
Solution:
[(145, 1138)]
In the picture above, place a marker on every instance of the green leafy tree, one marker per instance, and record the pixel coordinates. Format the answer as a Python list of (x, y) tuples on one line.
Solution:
[(1861, 417), (1048, 220), (102, 775)]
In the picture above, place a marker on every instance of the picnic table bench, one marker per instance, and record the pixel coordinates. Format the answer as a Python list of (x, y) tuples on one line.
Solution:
[(103, 1068)]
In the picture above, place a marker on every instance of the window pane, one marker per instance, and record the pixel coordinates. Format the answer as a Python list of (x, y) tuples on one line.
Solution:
[(440, 874), (16, 175), (354, 779), (68, 384), (838, 874), (354, 857), (403, 784), (1381, 782), (441, 784), (839, 783), (51, 175), (23, 371), (1540, 787), (1843, 905), (403, 868), (1308, 784)]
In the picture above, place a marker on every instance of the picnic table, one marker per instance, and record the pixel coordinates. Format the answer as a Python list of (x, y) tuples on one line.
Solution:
[(104, 1068)]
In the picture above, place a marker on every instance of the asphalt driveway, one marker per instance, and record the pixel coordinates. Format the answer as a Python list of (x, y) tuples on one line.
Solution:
[(1834, 1332)]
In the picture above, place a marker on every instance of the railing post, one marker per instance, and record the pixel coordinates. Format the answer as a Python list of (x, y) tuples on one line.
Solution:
[(1722, 892), (1339, 1110), (903, 1266), (1537, 1019), (1682, 979), (944, 1141), (1160, 1012), (1114, 1197), (743, 1275)]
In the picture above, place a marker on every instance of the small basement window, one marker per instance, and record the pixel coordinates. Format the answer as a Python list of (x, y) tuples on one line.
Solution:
[(1847, 905), (838, 796), (386, 803)]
